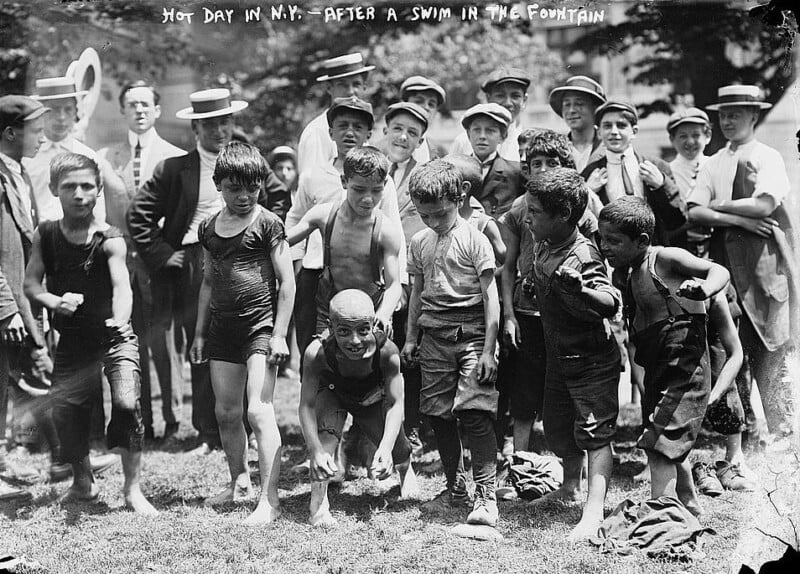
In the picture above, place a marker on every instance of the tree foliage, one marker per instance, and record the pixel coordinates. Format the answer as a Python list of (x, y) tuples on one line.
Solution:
[(698, 47)]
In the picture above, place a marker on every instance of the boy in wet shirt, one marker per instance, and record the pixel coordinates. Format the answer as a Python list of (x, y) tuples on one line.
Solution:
[(354, 370), (666, 313), (243, 315)]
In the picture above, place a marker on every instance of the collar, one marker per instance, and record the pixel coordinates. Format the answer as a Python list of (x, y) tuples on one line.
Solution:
[(144, 140), (568, 241), (65, 144), (488, 161), (12, 164), (689, 163), (207, 158), (616, 158), (749, 145)]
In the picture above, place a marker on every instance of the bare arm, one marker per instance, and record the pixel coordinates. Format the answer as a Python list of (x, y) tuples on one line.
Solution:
[(487, 365), (412, 329), (323, 465), (507, 282), (681, 262), (34, 274), (703, 215), (284, 274), (197, 351), (492, 232), (393, 385), (390, 241), (122, 295), (720, 317), (313, 219), (756, 207)]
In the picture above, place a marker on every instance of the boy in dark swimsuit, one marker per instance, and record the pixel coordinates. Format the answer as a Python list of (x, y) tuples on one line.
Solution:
[(355, 370), (89, 294)]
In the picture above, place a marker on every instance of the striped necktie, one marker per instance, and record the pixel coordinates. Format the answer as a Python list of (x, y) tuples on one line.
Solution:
[(137, 164)]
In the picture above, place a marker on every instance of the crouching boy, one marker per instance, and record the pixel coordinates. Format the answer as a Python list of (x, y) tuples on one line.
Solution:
[(89, 294), (355, 370), (666, 313)]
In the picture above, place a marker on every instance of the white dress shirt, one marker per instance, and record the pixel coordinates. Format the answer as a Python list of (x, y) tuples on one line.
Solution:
[(615, 187), (209, 199), (508, 148)]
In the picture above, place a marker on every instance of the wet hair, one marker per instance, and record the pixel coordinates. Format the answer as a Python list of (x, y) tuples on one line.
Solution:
[(137, 84), (242, 163), (67, 162), (366, 161), (470, 170), (631, 215), (435, 181), (559, 190), (549, 144)]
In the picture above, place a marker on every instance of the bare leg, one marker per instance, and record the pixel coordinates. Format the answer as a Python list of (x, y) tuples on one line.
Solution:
[(261, 414), (319, 507), (522, 434), (132, 490), (570, 489), (228, 381), (83, 485), (663, 475), (684, 488), (409, 487), (600, 464)]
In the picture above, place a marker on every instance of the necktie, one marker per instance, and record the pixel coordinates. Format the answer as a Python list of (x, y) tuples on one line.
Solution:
[(137, 164), (21, 215), (392, 170), (626, 178)]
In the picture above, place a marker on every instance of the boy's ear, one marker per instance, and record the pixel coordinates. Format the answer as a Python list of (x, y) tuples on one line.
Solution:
[(635, 130), (344, 181), (386, 130), (466, 187), (643, 241)]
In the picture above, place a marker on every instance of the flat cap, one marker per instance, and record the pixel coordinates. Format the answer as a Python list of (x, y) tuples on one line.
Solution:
[(615, 106), (15, 109), (494, 111), (353, 103), (505, 74), (422, 84), (410, 108)]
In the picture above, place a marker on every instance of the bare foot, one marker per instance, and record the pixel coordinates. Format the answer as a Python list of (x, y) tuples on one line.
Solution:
[(263, 514), (234, 493), (81, 494), (409, 487), (692, 504), (136, 501), (323, 519), (560, 495), (586, 527)]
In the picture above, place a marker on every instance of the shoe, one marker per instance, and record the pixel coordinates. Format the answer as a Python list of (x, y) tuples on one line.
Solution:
[(19, 472), (102, 462), (415, 442), (8, 492), (170, 430), (448, 500), (202, 450), (732, 478), (484, 510), (705, 480), (60, 471)]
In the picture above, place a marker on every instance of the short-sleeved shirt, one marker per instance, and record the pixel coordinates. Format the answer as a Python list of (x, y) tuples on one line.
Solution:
[(563, 312), (715, 180), (243, 281), (515, 222), (451, 264)]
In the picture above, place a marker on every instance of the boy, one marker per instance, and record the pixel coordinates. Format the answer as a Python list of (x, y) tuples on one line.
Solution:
[(428, 95), (355, 370), (454, 301), (575, 102), (618, 170), (248, 288), (283, 161), (740, 193), (575, 299), (344, 77), (89, 293), (487, 126), (666, 313), (689, 133), (508, 88), (360, 245), (351, 121)]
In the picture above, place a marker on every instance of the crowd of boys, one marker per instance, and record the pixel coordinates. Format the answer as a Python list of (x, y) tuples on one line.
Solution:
[(474, 293)]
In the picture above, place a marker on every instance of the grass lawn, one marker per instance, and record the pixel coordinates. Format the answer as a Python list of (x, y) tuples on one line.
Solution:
[(377, 533)]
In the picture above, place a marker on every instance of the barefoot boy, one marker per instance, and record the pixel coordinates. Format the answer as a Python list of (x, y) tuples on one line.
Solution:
[(454, 301), (575, 298), (248, 285), (355, 370), (360, 245), (89, 293), (666, 289)]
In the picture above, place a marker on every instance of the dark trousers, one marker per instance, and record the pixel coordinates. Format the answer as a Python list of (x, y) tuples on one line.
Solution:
[(175, 294), (412, 375), (142, 322), (479, 431), (305, 307)]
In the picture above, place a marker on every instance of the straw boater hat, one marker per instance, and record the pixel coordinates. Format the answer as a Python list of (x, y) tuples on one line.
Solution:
[(580, 84), (422, 84), (343, 66), (210, 104), (57, 88), (737, 95), (282, 152)]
